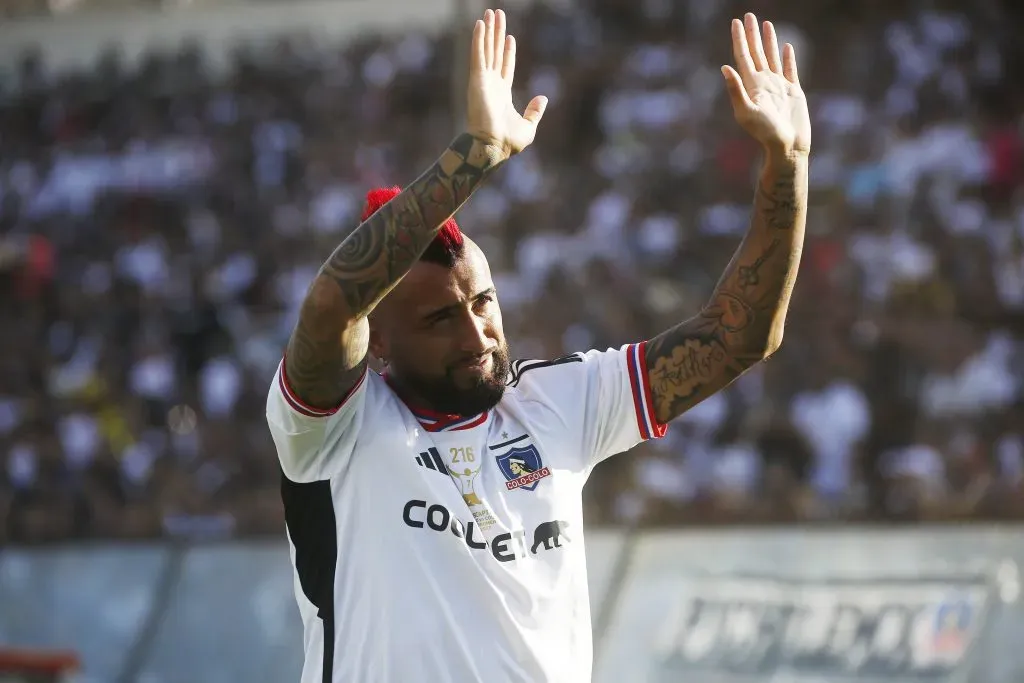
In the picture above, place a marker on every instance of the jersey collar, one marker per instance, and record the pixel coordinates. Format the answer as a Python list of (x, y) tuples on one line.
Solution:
[(439, 422)]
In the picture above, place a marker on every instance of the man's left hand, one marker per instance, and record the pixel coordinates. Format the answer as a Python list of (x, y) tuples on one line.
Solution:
[(765, 90)]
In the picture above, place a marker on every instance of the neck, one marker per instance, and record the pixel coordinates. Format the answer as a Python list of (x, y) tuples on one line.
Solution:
[(416, 402)]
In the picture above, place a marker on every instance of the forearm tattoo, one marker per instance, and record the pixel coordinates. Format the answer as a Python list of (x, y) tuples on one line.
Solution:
[(326, 354), (743, 321)]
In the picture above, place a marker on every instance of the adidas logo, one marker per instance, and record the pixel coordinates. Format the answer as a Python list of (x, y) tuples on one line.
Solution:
[(431, 459)]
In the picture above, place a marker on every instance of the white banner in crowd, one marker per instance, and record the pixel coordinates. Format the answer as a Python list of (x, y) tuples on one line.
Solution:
[(728, 630), (729, 607)]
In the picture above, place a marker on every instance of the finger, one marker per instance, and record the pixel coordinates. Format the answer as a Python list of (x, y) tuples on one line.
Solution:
[(754, 41), (508, 62), (488, 39), (477, 57), (535, 109), (499, 40), (771, 48), (789, 64), (734, 87), (740, 52)]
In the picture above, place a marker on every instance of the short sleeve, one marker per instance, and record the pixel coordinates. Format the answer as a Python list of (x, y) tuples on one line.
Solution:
[(313, 444), (619, 410), (602, 397)]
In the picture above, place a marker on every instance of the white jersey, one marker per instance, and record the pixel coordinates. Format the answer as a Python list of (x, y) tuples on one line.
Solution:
[(436, 549)]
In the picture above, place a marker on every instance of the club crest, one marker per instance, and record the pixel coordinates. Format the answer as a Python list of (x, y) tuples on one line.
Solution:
[(522, 467)]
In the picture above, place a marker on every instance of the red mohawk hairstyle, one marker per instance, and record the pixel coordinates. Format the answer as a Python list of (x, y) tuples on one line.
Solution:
[(444, 250)]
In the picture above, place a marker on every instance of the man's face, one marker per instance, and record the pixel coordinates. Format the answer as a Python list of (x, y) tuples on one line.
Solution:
[(440, 332)]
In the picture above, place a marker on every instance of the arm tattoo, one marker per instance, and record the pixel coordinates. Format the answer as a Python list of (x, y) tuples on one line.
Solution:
[(781, 202), (742, 323), (326, 354)]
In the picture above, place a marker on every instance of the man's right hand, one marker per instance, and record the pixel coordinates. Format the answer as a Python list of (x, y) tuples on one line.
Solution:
[(490, 115)]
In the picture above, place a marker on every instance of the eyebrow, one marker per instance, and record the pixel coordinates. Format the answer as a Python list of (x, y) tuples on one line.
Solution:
[(439, 312)]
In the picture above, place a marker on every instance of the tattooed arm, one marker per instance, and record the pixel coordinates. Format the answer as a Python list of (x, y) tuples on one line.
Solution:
[(326, 354), (743, 321)]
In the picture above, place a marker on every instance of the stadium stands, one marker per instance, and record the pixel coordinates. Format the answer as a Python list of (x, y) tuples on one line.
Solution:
[(159, 224)]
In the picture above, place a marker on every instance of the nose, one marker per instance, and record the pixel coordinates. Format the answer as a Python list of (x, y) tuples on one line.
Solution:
[(476, 336)]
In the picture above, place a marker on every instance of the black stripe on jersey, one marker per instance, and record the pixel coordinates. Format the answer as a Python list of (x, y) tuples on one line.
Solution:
[(509, 442), (520, 367), (312, 527)]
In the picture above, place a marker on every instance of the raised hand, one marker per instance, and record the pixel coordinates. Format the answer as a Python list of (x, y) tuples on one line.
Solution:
[(764, 89), (490, 114)]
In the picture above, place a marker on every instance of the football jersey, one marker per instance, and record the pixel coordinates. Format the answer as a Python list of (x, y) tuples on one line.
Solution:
[(449, 549)]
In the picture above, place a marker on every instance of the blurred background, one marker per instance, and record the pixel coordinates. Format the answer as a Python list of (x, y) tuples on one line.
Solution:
[(172, 174)]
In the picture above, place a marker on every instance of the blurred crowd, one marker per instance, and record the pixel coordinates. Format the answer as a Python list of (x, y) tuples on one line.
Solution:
[(159, 225)]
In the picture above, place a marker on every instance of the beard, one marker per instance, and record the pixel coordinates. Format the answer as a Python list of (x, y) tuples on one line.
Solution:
[(445, 394)]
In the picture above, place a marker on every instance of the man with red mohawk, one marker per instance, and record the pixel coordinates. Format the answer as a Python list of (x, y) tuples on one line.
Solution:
[(434, 511)]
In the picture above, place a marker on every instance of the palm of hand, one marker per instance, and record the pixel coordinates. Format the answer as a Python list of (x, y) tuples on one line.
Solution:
[(491, 114), (490, 111), (780, 111), (765, 90)]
